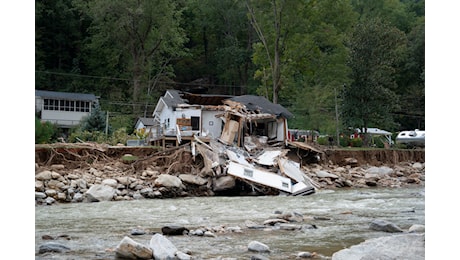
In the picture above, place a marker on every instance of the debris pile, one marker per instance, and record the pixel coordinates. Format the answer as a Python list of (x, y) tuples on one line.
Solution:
[(264, 166)]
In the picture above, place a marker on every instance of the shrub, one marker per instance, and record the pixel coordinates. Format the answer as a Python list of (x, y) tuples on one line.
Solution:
[(323, 140), (45, 132), (344, 141), (356, 142), (119, 136)]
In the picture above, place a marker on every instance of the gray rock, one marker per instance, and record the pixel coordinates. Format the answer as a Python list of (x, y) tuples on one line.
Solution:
[(100, 192), (137, 232), (304, 255), (325, 174), (130, 249), (174, 230), (110, 182), (383, 225), (403, 246), (182, 256), (43, 176), (417, 228), (40, 195), (39, 186), (259, 257), (78, 197), (162, 247), (52, 247), (209, 234), (381, 171), (257, 246), (290, 227), (167, 180), (193, 179), (49, 200)]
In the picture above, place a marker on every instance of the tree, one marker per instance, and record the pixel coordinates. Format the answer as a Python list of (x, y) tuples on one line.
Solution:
[(220, 45), (315, 67), (375, 48), (268, 23), (140, 38), (58, 44), (95, 121)]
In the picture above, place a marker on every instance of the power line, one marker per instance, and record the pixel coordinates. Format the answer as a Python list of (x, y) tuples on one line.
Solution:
[(122, 79)]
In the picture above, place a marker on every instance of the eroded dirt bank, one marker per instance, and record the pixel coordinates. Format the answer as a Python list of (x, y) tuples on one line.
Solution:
[(45, 154), (375, 157)]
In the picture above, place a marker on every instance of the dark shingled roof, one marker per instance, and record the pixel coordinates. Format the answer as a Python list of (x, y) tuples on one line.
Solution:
[(147, 121), (175, 100), (258, 103), (65, 95)]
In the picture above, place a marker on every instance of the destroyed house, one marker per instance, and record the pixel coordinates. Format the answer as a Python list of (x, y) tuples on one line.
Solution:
[(180, 116), (254, 116)]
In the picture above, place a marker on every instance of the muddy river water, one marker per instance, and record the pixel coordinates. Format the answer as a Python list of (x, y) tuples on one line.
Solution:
[(341, 216)]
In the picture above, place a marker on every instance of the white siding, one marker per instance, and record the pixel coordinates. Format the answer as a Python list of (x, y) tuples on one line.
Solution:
[(282, 129), (211, 124), (166, 114), (63, 118)]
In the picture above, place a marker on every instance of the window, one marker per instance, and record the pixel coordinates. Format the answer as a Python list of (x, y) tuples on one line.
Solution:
[(86, 106), (46, 104), (195, 122), (67, 105)]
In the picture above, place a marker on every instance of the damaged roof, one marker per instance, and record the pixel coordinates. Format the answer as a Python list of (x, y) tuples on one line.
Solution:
[(258, 103)]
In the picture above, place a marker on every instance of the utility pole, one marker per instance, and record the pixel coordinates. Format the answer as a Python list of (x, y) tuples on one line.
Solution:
[(336, 118), (107, 124)]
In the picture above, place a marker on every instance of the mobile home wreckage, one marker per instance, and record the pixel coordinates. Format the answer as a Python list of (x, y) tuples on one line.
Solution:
[(245, 137)]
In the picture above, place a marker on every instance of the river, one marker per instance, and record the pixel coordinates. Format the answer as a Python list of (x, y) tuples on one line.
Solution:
[(341, 216)]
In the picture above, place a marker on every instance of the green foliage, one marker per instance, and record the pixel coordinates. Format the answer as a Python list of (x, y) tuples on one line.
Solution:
[(118, 136), (344, 141), (87, 136), (379, 142), (45, 132), (129, 52), (323, 140), (356, 142), (370, 99), (125, 122), (96, 121)]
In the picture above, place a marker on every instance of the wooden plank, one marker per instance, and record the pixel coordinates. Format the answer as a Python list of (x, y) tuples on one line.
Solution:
[(229, 132), (184, 121), (304, 146)]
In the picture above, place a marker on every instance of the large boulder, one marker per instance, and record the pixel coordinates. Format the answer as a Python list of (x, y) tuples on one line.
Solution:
[(162, 247), (99, 192), (53, 247), (383, 225), (257, 246), (130, 249), (193, 179), (405, 246), (168, 181)]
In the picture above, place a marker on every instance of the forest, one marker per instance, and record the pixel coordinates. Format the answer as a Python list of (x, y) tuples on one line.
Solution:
[(332, 63)]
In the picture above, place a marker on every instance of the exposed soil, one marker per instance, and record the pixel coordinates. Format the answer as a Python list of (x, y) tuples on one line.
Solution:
[(179, 158), (375, 157)]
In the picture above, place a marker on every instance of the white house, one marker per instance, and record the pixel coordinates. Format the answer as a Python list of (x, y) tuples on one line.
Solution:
[(63, 108), (187, 114), (145, 122), (181, 114)]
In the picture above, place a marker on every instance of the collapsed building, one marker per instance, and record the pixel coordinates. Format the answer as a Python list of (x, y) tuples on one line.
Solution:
[(245, 137)]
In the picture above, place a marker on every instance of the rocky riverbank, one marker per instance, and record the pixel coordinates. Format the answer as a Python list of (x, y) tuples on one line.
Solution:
[(68, 175)]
